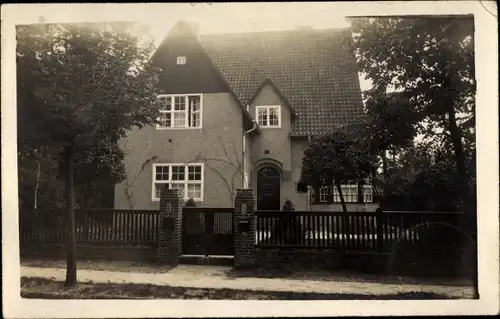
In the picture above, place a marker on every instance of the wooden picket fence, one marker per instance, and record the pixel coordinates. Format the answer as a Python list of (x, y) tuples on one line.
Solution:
[(99, 227), (353, 231)]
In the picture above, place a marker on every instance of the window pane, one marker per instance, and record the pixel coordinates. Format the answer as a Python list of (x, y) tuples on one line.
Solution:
[(194, 103), (273, 117), (161, 173), (167, 103), (194, 173), (180, 103), (194, 191), (178, 173), (262, 117), (165, 119), (179, 119), (194, 119), (324, 191)]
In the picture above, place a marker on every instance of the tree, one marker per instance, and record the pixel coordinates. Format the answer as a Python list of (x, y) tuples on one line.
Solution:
[(423, 177), (80, 89), (391, 124), (431, 60), (336, 158)]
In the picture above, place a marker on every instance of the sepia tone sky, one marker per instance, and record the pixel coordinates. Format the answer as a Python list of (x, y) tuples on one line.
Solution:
[(246, 17)]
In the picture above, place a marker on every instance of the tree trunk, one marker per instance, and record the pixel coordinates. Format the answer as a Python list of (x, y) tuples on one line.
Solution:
[(342, 201), (361, 193), (463, 183), (343, 218), (38, 169), (70, 217)]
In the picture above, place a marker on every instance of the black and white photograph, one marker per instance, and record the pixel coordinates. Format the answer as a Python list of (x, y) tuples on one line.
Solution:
[(250, 152)]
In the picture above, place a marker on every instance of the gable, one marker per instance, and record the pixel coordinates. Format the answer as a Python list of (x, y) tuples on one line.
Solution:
[(198, 75), (267, 96)]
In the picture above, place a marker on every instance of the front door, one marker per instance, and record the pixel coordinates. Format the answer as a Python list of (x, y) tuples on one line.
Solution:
[(268, 189)]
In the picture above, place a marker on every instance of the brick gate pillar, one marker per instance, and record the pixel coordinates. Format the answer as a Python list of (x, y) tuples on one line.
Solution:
[(169, 228), (244, 228)]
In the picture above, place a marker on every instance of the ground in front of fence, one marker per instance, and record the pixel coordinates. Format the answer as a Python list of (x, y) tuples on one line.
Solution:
[(119, 266), (42, 288), (290, 273)]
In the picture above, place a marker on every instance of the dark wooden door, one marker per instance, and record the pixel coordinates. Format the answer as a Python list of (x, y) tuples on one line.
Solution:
[(268, 189)]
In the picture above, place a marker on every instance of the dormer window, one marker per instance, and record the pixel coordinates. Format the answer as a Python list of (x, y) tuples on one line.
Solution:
[(269, 116), (181, 60)]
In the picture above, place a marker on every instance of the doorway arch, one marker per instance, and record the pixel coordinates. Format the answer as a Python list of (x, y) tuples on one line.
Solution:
[(268, 188)]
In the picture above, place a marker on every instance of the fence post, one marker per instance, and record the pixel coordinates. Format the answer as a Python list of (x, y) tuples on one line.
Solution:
[(169, 227), (244, 228)]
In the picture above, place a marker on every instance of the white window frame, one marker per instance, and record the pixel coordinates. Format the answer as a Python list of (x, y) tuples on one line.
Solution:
[(351, 187), (181, 60), (185, 182), (268, 107), (186, 112)]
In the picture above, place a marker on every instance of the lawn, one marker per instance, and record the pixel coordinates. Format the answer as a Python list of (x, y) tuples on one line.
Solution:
[(41, 288)]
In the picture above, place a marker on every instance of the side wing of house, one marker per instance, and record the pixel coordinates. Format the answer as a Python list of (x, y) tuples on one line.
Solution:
[(197, 148)]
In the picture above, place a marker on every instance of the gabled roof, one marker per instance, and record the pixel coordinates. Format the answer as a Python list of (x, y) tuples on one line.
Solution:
[(314, 70), (269, 82)]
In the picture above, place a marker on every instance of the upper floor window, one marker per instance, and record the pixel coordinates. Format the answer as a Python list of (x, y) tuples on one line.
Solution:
[(181, 60), (268, 116), (180, 111), (187, 178)]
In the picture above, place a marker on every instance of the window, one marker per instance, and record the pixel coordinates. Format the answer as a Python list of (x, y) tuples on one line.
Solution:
[(181, 60), (180, 111), (330, 194), (268, 116), (187, 178)]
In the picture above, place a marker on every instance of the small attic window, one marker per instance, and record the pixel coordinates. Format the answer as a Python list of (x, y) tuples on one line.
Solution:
[(181, 60)]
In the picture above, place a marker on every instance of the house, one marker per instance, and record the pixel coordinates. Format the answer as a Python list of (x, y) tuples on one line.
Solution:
[(239, 110)]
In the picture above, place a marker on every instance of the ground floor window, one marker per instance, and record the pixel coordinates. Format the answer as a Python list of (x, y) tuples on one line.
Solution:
[(187, 178), (330, 194)]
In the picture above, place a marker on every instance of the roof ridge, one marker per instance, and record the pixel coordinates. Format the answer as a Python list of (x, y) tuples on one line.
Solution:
[(338, 30)]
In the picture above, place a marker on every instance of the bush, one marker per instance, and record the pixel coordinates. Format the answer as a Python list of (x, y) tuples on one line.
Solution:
[(190, 203)]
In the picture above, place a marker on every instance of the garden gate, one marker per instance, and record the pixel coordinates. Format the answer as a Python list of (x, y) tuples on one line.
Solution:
[(207, 231)]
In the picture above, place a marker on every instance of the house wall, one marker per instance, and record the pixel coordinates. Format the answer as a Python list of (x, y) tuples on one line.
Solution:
[(219, 141), (276, 140), (281, 148), (299, 145)]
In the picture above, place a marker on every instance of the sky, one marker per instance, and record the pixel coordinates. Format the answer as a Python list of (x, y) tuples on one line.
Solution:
[(247, 17)]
